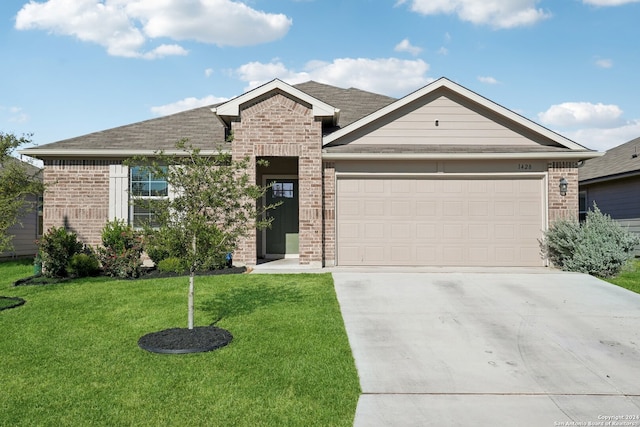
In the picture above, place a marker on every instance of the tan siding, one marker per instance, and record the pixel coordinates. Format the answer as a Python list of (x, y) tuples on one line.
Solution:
[(457, 125)]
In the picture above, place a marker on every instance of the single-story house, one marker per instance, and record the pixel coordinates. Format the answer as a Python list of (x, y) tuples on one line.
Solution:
[(29, 227), (613, 183), (440, 177)]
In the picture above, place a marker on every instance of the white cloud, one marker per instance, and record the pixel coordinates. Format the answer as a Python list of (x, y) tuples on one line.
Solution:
[(609, 2), (605, 139), (488, 80), (406, 46), (575, 114), (604, 63), (125, 27), (186, 104), (389, 76), (496, 13), (208, 72), (14, 114)]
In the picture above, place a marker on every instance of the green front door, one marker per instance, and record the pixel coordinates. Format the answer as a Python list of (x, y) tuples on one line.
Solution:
[(282, 237)]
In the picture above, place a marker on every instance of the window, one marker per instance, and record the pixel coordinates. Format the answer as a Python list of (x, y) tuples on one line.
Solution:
[(145, 187), (582, 206), (282, 190)]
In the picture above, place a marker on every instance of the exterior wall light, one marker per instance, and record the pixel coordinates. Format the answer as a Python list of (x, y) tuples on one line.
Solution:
[(564, 184)]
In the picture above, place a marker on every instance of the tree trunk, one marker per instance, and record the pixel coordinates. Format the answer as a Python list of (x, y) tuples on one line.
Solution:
[(192, 273), (191, 300)]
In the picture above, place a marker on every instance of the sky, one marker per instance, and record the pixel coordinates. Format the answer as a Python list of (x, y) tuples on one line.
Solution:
[(72, 67)]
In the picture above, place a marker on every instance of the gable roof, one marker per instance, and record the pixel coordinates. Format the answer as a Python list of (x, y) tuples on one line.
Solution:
[(619, 162), (200, 126), (227, 110), (448, 86)]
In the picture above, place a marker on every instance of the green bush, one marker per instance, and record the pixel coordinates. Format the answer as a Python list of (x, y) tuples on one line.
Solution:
[(600, 246), (172, 265), (172, 242), (57, 246), (83, 265), (164, 242), (121, 250)]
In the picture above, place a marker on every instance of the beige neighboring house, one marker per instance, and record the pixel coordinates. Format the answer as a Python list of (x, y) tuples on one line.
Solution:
[(29, 227), (440, 177), (613, 183)]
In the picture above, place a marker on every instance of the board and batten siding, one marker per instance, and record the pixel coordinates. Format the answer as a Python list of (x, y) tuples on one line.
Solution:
[(620, 199), (118, 192), (443, 121)]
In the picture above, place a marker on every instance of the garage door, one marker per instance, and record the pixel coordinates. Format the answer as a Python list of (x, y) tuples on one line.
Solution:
[(488, 221)]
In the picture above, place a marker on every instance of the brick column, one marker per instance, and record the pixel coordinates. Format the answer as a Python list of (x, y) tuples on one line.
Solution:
[(563, 207), (329, 213)]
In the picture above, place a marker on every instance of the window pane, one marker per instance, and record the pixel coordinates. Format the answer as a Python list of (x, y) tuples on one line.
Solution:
[(139, 174), (158, 189), (140, 189)]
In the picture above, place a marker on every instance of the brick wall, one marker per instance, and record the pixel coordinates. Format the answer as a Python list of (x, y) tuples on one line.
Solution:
[(77, 197), (329, 213), (280, 126), (563, 207)]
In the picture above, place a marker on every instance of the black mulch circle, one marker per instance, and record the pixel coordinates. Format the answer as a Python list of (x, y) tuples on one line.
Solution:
[(184, 340), (15, 302)]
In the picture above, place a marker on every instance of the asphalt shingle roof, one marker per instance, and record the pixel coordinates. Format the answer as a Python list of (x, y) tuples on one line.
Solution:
[(616, 161), (205, 131)]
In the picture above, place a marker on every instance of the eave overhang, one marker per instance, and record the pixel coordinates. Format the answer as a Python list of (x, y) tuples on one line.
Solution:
[(565, 156), (105, 153)]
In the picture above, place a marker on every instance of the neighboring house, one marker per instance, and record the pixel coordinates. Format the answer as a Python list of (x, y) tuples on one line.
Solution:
[(441, 177), (613, 183), (29, 227)]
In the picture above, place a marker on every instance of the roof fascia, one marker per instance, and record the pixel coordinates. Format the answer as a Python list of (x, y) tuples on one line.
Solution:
[(58, 153), (608, 178), (462, 91), (320, 109), (584, 155)]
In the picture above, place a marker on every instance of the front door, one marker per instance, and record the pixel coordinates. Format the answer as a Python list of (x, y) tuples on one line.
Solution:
[(282, 237)]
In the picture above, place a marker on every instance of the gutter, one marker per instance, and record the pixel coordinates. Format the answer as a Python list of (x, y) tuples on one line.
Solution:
[(462, 156), (110, 153)]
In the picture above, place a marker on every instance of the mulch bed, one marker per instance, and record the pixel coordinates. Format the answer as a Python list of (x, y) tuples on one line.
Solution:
[(183, 340), (150, 273), (13, 302)]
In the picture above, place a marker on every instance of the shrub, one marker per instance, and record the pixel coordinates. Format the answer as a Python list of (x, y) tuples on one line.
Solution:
[(57, 246), (164, 242), (172, 242), (83, 265), (121, 250), (172, 265), (600, 246)]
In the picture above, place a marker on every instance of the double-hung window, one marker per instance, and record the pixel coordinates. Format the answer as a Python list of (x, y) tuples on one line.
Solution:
[(145, 187)]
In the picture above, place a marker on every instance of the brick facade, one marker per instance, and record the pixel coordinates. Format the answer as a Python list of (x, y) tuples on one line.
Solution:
[(563, 207), (77, 197), (281, 126)]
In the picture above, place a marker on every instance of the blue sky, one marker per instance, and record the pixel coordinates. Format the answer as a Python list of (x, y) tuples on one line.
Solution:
[(71, 67)]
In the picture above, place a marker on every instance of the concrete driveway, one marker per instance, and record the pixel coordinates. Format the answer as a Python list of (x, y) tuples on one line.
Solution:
[(492, 348)]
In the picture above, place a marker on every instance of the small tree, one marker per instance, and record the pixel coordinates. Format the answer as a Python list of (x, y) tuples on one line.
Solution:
[(213, 204), (16, 184)]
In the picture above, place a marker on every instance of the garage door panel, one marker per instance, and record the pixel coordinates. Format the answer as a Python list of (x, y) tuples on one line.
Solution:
[(445, 221)]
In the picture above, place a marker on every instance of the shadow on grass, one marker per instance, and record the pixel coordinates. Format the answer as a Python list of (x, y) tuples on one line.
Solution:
[(245, 300)]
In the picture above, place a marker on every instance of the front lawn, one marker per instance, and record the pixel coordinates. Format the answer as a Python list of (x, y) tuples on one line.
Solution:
[(629, 278), (70, 354)]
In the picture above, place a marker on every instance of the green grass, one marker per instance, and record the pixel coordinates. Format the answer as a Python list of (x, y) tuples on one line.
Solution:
[(70, 354), (628, 278)]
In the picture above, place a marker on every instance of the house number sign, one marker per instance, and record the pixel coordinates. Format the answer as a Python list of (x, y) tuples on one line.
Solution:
[(525, 166)]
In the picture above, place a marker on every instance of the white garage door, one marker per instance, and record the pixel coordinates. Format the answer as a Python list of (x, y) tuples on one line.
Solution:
[(439, 222)]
